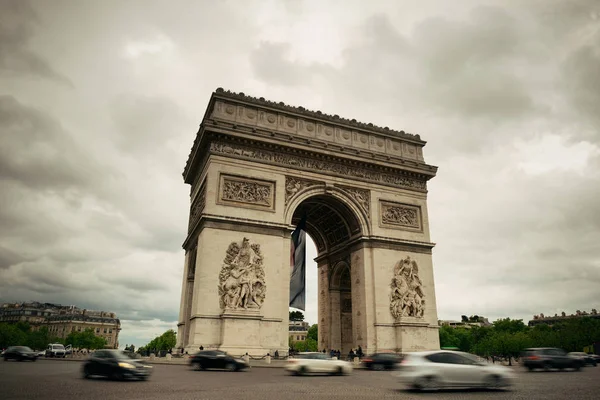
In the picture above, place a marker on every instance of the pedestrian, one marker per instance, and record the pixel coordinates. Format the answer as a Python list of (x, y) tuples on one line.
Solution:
[(201, 347)]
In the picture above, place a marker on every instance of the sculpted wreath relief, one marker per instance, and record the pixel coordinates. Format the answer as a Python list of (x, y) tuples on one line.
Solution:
[(407, 298), (242, 277)]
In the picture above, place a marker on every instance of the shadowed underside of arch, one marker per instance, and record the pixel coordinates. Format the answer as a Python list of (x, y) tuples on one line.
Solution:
[(328, 221)]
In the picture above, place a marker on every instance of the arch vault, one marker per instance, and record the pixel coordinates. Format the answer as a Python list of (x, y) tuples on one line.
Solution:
[(256, 167)]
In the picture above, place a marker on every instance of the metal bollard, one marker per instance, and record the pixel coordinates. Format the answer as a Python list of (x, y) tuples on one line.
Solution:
[(247, 358), (356, 361)]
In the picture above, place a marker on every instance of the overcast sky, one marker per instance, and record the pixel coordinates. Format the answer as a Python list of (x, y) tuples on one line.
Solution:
[(100, 102)]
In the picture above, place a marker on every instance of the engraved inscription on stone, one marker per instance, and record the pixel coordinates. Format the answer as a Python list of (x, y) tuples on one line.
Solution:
[(407, 298), (257, 193), (400, 215), (294, 185), (362, 197), (242, 278), (197, 206)]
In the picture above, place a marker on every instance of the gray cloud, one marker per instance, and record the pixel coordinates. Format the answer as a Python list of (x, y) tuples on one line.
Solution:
[(93, 206), (18, 23)]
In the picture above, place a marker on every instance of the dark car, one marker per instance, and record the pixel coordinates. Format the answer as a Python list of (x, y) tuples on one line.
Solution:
[(216, 359), (20, 353), (548, 358), (381, 361), (588, 359), (117, 365)]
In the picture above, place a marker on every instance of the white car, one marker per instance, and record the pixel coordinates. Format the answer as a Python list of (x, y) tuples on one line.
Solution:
[(432, 370), (308, 363)]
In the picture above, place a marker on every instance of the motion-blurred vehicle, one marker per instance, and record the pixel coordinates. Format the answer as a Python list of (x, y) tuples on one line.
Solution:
[(19, 353), (68, 349), (587, 359), (117, 365), (56, 350), (312, 362), (433, 370), (548, 358), (209, 359), (382, 361), (41, 353)]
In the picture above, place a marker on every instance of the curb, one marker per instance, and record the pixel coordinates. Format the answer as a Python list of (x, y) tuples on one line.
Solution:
[(161, 362)]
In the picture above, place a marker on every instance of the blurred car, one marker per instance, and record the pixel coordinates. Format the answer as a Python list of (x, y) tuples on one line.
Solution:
[(68, 349), (115, 364), (433, 370), (587, 359), (208, 359), (19, 353), (41, 353), (56, 350), (382, 361), (309, 362), (549, 358)]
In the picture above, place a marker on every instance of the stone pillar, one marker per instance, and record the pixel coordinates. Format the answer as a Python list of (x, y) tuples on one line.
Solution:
[(268, 359), (324, 310), (335, 318)]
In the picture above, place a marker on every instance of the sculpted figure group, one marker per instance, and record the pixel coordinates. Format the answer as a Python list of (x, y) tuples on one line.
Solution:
[(242, 277), (407, 298)]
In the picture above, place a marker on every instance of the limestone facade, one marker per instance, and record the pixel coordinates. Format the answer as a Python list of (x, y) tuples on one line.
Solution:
[(255, 168)]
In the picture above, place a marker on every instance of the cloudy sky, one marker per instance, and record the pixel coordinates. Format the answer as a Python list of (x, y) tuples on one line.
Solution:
[(100, 102)]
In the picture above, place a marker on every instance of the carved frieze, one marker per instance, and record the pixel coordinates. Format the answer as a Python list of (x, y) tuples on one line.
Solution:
[(315, 164), (242, 278), (294, 185), (197, 207), (402, 216), (246, 192), (407, 298), (362, 197)]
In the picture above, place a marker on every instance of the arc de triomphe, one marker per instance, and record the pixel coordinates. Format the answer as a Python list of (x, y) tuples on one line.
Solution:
[(256, 167)]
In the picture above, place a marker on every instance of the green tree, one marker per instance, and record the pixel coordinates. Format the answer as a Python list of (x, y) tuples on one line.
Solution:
[(305, 345), (164, 342), (313, 333), (85, 340), (510, 325), (296, 316)]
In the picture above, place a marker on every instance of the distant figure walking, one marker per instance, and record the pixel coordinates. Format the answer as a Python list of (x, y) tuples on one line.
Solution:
[(201, 347)]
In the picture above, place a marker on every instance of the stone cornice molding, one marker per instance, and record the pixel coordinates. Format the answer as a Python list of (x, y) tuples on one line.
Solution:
[(301, 111), (284, 124), (310, 161)]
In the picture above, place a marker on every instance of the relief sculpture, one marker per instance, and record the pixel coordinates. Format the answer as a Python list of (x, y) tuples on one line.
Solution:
[(314, 164), (246, 191), (294, 185), (361, 196), (242, 277), (407, 298), (400, 215)]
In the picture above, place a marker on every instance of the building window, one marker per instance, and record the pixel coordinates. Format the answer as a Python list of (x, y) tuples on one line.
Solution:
[(104, 330), (97, 330), (110, 330), (78, 329), (73, 329), (108, 339)]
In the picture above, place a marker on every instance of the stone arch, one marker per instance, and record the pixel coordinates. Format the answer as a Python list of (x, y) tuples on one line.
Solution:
[(340, 277), (334, 200)]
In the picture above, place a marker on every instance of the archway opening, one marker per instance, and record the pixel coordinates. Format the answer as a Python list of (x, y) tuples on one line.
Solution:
[(332, 226)]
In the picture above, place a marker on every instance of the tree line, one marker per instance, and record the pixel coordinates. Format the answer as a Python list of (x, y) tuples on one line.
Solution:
[(21, 334), (160, 344), (507, 338)]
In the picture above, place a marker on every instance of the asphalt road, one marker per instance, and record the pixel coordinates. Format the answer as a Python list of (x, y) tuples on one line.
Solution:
[(53, 379)]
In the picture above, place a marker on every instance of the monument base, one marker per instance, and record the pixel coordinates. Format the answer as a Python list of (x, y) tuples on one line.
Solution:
[(240, 332), (414, 334)]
